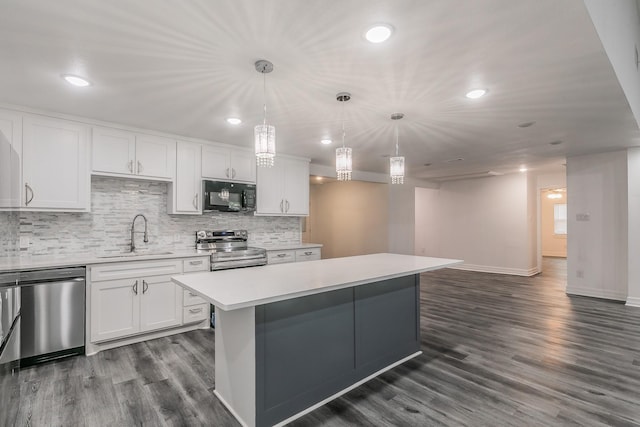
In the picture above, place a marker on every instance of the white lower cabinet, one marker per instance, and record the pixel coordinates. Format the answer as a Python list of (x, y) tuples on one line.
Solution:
[(293, 255), (160, 303), (134, 298)]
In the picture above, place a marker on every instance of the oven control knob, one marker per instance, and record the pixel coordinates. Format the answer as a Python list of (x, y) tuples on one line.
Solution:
[(201, 234)]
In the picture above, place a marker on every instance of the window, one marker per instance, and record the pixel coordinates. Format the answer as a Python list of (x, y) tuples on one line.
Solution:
[(560, 218)]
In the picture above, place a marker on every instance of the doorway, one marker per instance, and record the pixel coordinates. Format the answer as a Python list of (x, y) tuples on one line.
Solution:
[(553, 222)]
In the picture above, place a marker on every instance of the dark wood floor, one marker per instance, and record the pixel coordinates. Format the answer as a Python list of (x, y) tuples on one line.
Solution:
[(498, 350)]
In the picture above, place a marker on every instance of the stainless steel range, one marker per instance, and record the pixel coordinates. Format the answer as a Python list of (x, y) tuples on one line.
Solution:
[(228, 249)]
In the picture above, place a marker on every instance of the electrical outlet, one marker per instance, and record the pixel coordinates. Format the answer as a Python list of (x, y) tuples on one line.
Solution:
[(583, 217), (24, 242)]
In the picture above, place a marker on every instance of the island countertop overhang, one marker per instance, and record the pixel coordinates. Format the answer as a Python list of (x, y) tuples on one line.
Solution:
[(249, 287)]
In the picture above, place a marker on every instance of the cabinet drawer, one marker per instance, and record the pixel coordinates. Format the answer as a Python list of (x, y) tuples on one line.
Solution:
[(192, 299), (310, 254), (196, 264), (195, 313), (123, 270), (280, 257)]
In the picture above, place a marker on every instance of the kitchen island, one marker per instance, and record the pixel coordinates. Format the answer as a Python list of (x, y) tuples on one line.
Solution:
[(291, 337)]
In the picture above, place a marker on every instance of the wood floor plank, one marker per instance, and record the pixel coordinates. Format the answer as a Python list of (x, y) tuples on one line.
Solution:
[(497, 350)]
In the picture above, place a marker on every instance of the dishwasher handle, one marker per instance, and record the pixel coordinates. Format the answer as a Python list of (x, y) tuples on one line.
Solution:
[(51, 275)]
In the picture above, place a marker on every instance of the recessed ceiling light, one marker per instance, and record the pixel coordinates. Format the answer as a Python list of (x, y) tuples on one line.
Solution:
[(76, 80), (558, 142), (326, 141), (234, 121), (476, 93), (523, 169), (526, 124), (427, 164), (378, 33)]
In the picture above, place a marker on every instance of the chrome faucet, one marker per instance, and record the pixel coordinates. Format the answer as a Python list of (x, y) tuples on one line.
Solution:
[(133, 227)]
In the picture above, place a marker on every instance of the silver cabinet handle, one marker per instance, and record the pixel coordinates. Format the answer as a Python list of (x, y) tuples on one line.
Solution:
[(139, 166), (226, 172), (195, 310), (195, 262), (287, 204), (130, 165), (27, 190), (145, 286), (233, 173), (135, 287), (308, 253), (195, 201), (281, 255), (281, 202)]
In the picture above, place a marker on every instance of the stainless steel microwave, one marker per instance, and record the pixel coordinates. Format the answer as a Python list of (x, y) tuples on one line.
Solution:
[(223, 196)]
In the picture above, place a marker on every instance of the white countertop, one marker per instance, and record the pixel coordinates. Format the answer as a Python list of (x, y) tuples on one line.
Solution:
[(58, 261), (290, 247), (247, 287)]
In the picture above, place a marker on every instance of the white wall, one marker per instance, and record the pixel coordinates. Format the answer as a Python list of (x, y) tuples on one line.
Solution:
[(597, 247), (633, 255), (617, 23), (488, 222), (402, 219)]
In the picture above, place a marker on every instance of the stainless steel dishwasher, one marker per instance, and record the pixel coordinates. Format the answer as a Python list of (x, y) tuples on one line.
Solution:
[(53, 314)]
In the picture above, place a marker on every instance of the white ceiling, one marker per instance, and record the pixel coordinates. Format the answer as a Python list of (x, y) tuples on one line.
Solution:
[(184, 66)]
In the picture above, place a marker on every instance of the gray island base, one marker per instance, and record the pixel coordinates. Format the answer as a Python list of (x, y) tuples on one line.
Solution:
[(311, 342)]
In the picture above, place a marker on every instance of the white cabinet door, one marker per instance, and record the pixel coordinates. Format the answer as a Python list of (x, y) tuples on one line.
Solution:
[(243, 165), (186, 188), (228, 164), (296, 187), (115, 309), (113, 151), (10, 159), (161, 303), (284, 188), (155, 156), (216, 163), (55, 164), (270, 189)]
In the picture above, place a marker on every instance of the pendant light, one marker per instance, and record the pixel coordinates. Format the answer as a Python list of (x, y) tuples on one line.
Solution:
[(396, 164), (343, 154), (264, 134)]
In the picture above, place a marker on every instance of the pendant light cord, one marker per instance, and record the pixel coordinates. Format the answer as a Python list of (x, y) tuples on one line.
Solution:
[(343, 131), (264, 95)]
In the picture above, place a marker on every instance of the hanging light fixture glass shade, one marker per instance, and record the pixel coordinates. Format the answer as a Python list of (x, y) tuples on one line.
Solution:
[(344, 158), (397, 170), (265, 137), (343, 163), (396, 163), (264, 134)]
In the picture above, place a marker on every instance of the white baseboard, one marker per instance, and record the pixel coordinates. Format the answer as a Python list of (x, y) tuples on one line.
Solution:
[(597, 293), (92, 348), (497, 270), (633, 301)]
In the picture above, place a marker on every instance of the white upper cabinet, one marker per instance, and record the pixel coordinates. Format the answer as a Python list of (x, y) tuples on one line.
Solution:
[(228, 164), (185, 192), (284, 188), (122, 153), (10, 159), (55, 164)]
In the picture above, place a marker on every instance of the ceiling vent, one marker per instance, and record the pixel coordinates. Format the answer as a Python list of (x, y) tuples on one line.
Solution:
[(484, 174)]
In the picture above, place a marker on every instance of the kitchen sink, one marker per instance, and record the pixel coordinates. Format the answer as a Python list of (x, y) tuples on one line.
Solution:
[(134, 254)]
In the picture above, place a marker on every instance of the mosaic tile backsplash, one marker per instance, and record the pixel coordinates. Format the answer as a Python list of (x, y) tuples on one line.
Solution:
[(114, 203), (9, 226)]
